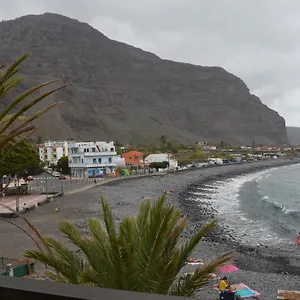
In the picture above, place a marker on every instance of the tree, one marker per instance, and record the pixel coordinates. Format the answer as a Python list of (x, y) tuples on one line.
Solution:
[(13, 125), (159, 165), (63, 165), (197, 154), (143, 255), (19, 159), (163, 141)]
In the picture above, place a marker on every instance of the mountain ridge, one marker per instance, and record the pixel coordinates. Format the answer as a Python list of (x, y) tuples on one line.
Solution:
[(293, 135), (120, 92)]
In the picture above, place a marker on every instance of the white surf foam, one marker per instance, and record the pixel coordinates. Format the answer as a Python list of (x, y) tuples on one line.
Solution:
[(226, 202)]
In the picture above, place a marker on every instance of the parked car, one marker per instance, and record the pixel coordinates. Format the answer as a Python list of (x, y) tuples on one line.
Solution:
[(56, 174), (62, 177), (29, 178)]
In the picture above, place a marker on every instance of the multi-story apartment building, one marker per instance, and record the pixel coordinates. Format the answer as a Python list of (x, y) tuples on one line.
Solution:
[(92, 159), (51, 151)]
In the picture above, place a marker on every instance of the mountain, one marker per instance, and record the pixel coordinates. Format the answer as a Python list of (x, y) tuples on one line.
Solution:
[(293, 135), (123, 93)]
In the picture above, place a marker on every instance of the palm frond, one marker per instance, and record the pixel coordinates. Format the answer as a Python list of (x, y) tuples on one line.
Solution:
[(142, 255), (27, 106), (12, 69), (190, 284), (21, 228), (97, 251), (38, 238), (21, 97), (5, 139), (9, 129), (65, 261), (190, 245)]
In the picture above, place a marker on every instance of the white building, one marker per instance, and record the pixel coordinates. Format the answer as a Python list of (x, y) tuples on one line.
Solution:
[(92, 159), (50, 152), (162, 157)]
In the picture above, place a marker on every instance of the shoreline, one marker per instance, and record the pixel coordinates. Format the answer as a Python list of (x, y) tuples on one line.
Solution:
[(208, 212), (223, 235), (264, 269), (261, 269), (270, 265)]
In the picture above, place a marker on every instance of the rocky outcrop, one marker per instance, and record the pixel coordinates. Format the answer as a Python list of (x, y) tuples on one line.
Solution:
[(123, 93)]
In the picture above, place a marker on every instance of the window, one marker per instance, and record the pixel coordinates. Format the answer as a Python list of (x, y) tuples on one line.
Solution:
[(109, 160), (82, 160), (99, 160), (136, 157), (87, 150), (112, 149), (94, 160), (93, 149)]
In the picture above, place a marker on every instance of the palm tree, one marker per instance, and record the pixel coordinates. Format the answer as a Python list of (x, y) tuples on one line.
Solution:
[(143, 254), (13, 125)]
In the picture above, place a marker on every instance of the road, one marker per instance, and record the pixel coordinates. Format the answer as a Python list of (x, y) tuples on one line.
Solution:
[(47, 183)]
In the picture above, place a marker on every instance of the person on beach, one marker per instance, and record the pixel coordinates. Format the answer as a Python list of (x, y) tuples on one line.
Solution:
[(223, 285), (298, 240), (224, 289)]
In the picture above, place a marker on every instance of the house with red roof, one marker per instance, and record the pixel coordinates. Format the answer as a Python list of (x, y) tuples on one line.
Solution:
[(134, 159)]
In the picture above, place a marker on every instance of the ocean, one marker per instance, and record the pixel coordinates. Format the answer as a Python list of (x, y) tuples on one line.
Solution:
[(261, 208)]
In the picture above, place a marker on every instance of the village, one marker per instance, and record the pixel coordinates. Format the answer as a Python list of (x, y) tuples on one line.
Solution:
[(105, 159), (72, 166)]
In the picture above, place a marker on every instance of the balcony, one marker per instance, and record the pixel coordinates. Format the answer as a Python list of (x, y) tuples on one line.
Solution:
[(92, 165), (12, 288), (99, 154), (95, 154)]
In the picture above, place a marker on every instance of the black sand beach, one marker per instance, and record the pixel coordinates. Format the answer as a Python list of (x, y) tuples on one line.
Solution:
[(263, 269)]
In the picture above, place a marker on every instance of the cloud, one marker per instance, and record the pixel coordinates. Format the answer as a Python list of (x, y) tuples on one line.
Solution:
[(255, 40)]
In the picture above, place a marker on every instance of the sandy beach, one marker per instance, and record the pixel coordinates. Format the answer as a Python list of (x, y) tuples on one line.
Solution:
[(263, 269)]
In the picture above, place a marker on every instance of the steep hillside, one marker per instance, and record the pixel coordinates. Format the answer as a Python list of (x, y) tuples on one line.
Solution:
[(123, 93), (293, 134)]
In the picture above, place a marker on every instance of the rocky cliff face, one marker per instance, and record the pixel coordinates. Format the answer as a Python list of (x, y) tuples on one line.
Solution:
[(293, 134), (120, 92)]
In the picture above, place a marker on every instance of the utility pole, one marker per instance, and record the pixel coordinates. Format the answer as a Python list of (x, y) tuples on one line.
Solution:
[(17, 194), (46, 183)]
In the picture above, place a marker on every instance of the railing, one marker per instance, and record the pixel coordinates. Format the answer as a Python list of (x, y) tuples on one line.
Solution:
[(12, 288), (101, 153), (93, 165), (96, 153)]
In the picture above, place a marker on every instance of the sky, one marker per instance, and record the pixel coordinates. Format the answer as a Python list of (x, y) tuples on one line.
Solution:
[(257, 40)]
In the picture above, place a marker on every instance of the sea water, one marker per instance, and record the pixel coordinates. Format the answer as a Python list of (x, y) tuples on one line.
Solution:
[(260, 208)]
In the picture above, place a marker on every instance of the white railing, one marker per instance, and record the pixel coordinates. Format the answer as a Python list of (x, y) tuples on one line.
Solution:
[(99, 154), (91, 165)]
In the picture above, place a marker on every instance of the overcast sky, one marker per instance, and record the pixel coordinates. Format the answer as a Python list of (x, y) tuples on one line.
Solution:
[(257, 40)]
